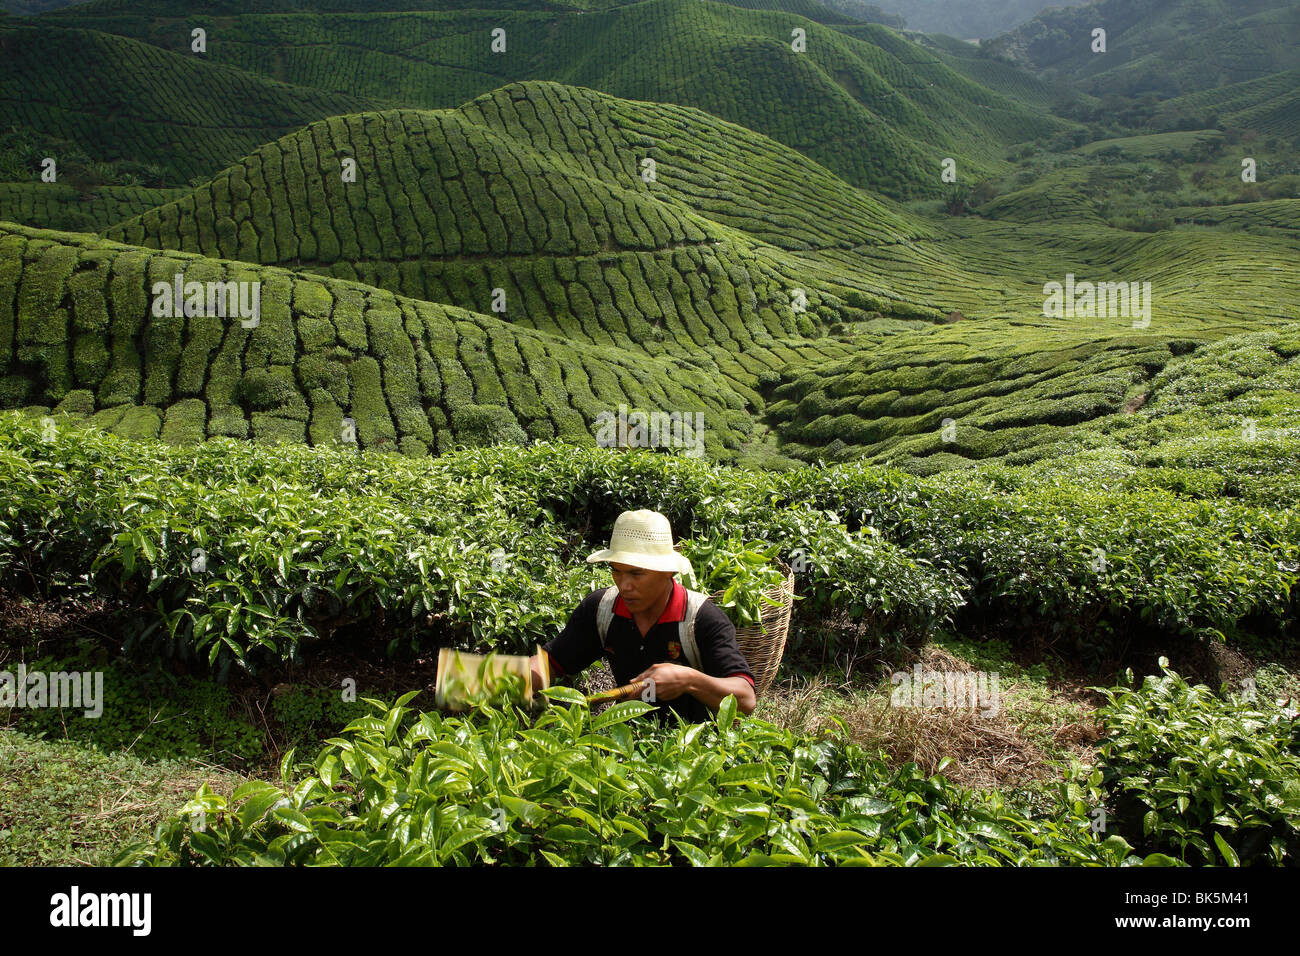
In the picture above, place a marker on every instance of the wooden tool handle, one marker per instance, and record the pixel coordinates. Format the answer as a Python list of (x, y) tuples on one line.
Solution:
[(618, 693)]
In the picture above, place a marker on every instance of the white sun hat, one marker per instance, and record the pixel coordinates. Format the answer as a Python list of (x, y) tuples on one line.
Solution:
[(643, 539)]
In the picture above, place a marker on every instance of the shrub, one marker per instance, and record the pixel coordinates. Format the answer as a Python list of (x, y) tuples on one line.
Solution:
[(1211, 780), (573, 789), (14, 390), (77, 403), (262, 390), (487, 425), (140, 422)]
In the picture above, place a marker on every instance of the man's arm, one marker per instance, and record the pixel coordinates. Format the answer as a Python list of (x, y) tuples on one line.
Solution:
[(725, 670), (711, 690), (576, 647)]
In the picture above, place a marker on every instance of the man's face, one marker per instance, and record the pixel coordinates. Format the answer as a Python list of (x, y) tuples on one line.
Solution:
[(639, 588)]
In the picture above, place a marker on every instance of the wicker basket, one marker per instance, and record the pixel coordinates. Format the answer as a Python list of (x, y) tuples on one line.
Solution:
[(763, 648)]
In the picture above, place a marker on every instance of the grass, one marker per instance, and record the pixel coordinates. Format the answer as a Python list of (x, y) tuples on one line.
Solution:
[(1038, 721), (64, 803)]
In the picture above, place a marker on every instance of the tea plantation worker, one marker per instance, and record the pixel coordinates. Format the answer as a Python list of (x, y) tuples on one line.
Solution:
[(647, 633)]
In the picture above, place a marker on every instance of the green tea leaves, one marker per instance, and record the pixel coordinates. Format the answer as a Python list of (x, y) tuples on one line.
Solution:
[(623, 711), (727, 712), (502, 787)]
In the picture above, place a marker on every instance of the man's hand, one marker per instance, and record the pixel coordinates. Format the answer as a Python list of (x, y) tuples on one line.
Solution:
[(671, 680)]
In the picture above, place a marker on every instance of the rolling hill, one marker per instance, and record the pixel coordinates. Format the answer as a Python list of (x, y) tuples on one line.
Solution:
[(527, 220), (970, 18), (530, 189), (133, 100), (1269, 105), (30, 7), (866, 103), (790, 222), (60, 206)]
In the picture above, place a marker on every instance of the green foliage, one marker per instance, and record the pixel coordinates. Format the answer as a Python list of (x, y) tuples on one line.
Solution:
[(740, 571), (489, 789), (421, 367), (302, 541), (1215, 781), (150, 713), (263, 389), (487, 425), (306, 715), (60, 206), (162, 145), (1162, 56)]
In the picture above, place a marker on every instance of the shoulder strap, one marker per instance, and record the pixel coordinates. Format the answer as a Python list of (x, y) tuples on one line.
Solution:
[(686, 628), (605, 613)]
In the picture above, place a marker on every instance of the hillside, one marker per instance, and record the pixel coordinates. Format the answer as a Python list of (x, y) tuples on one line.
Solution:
[(31, 7), (866, 13), (1012, 81), (893, 404), (847, 250), (1165, 47), (871, 106), (536, 190), (1269, 105), (440, 211), (61, 206), (77, 331), (133, 100), (1201, 419)]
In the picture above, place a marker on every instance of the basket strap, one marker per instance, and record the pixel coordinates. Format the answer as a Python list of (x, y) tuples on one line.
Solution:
[(605, 613), (686, 628)]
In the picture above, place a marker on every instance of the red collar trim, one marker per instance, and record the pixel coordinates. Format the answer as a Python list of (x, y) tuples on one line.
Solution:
[(675, 610)]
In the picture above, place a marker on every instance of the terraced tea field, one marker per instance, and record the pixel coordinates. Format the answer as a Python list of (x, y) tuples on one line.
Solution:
[(876, 109), (698, 288)]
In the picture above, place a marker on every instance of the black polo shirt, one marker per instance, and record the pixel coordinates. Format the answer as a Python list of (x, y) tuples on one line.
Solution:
[(629, 652)]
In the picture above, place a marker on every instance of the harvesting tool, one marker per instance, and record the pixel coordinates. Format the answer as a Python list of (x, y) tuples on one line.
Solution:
[(464, 679)]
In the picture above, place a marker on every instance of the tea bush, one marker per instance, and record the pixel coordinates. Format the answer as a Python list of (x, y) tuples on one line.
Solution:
[(489, 789), (742, 571), (235, 554), (1215, 781)]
